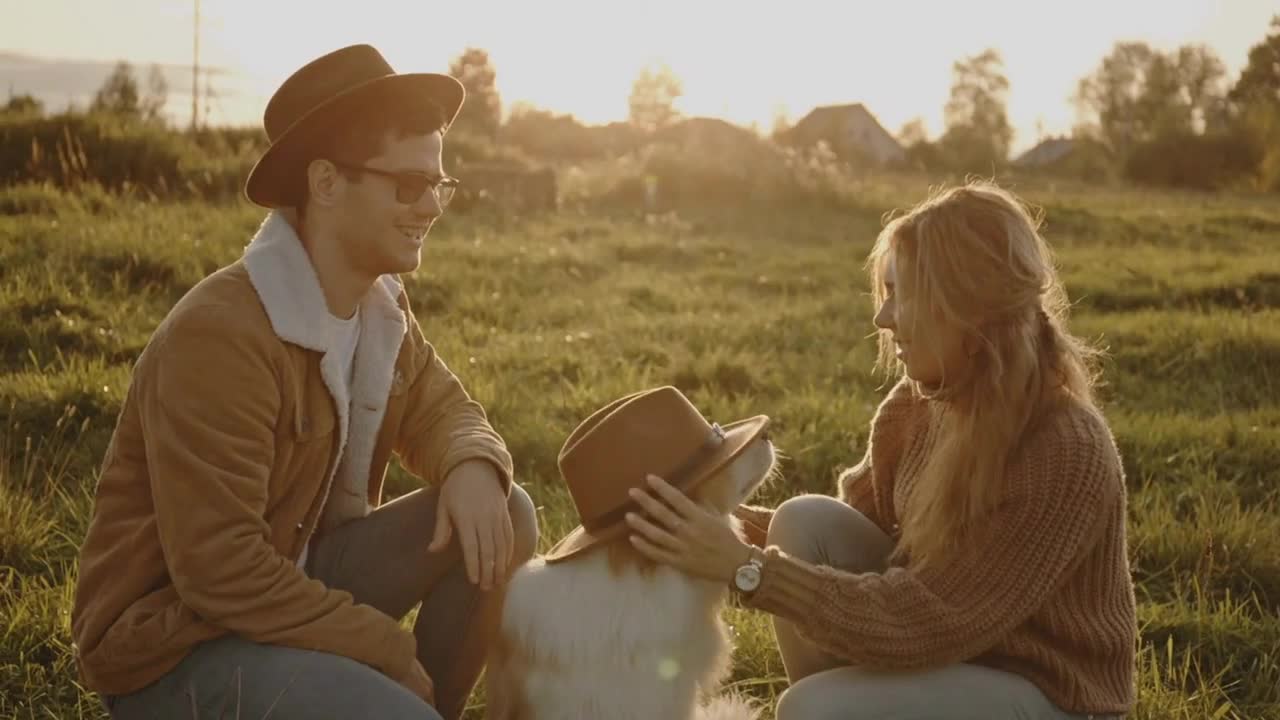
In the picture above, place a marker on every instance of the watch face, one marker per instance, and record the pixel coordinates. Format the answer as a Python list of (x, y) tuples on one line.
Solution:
[(747, 578)]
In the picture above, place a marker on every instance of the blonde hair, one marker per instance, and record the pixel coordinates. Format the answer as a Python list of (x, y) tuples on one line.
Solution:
[(976, 261)]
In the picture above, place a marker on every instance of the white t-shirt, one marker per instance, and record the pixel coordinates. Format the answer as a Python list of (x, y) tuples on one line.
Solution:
[(345, 335)]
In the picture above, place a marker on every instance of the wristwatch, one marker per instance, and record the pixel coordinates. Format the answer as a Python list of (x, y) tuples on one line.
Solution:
[(747, 577)]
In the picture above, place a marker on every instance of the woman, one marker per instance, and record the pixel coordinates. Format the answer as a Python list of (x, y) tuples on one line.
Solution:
[(975, 564)]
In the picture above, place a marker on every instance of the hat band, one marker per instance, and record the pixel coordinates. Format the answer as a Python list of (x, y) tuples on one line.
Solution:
[(677, 478)]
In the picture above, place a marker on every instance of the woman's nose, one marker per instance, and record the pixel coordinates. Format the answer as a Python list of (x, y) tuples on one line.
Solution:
[(884, 316)]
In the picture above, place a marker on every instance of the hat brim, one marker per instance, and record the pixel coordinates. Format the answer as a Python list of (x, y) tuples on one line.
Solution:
[(270, 178), (737, 436)]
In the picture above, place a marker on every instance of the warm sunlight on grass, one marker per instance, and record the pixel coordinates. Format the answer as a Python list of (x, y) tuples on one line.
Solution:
[(748, 311)]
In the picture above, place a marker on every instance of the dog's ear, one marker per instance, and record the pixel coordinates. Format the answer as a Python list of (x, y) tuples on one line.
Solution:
[(759, 463)]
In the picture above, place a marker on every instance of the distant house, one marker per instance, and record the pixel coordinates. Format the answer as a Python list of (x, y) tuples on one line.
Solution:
[(851, 132), (710, 133), (1046, 153)]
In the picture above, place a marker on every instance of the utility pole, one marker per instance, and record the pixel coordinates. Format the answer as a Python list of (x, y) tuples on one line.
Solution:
[(195, 73)]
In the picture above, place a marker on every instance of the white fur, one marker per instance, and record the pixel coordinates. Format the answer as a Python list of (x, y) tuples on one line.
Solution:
[(282, 274), (584, 642)]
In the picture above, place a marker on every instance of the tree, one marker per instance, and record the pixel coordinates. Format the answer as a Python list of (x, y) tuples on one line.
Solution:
[(120, 94), (1256, 102), (1112, 93), (545, 134), (1202, 79), (482, 112), (653, 96), (151, 104), (921, 154), (25, 104), (1161, 107), (1139, 94), (978, 133), (913, 133), (1260, 80), (781, 122)]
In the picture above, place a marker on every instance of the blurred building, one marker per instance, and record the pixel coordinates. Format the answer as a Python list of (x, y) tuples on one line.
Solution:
[(850, 131)]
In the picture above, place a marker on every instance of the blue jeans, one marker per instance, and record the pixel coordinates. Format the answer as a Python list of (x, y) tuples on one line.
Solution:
[(382, 560), (825, 531)]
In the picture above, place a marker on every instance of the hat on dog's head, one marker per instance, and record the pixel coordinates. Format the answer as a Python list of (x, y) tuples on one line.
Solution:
[(656, 431)]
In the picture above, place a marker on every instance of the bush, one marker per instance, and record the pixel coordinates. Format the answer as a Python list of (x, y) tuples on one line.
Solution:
[(72, 149), (127, 155), (710, 163), (1197, 162)]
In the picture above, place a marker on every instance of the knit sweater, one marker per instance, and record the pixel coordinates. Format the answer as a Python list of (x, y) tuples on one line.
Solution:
[(1041, 588)]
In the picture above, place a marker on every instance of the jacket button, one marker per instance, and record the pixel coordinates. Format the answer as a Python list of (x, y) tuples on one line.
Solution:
[(299, 526)]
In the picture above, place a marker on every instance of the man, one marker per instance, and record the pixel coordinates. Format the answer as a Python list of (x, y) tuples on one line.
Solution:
[(239, 560)]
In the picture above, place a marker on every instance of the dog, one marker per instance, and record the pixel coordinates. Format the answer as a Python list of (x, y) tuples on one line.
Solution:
[(607, 634)]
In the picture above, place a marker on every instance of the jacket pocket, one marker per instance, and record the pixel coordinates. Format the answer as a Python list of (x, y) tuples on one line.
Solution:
[(313, 413)]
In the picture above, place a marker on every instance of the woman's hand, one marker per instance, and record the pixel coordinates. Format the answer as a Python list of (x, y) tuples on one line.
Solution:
[(685, 535)]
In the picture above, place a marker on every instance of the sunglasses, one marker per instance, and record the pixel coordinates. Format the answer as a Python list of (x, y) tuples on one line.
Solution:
[(410, 186)]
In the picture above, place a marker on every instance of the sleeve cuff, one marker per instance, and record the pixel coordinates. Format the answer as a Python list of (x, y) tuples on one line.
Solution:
[(499, 460), (789, 587)]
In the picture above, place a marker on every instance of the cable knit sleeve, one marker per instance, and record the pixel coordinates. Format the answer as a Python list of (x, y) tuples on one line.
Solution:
[(857, 491), (996, 577), (856, 487)]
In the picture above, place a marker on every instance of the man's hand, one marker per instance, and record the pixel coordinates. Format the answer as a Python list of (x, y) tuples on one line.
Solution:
[(473, 505), (419, 683)]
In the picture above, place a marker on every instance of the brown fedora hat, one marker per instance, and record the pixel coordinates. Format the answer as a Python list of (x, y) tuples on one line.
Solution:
[(656, 431), (323, 87)]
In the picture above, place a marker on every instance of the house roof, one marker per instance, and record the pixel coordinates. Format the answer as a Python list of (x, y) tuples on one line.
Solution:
[(854, 108), (1046, 152), (825, 119)]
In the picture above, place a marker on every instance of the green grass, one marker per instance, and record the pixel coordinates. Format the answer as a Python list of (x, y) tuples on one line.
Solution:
[(748, 310)]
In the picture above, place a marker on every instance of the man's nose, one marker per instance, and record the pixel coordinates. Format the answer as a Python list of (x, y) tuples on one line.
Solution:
[(428, 206)]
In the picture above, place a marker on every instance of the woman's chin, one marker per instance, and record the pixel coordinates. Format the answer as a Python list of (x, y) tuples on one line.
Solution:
[(928, 380)]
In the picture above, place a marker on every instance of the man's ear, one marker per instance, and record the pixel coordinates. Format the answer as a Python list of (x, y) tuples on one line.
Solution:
[(325, 184)]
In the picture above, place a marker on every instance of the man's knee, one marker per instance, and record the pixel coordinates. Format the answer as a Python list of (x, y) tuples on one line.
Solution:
[(793, 524), (524, 523)]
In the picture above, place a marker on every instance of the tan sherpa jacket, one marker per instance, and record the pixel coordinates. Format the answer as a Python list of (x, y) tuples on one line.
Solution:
[(221, 464)]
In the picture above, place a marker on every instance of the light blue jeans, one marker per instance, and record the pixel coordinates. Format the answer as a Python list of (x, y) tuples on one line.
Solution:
[(382, 560), (824, 531)]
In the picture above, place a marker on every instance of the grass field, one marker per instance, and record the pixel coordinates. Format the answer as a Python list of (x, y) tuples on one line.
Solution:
[(748, 310)]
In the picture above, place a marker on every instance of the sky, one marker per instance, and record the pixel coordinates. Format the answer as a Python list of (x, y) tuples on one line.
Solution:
[(745, 61)]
